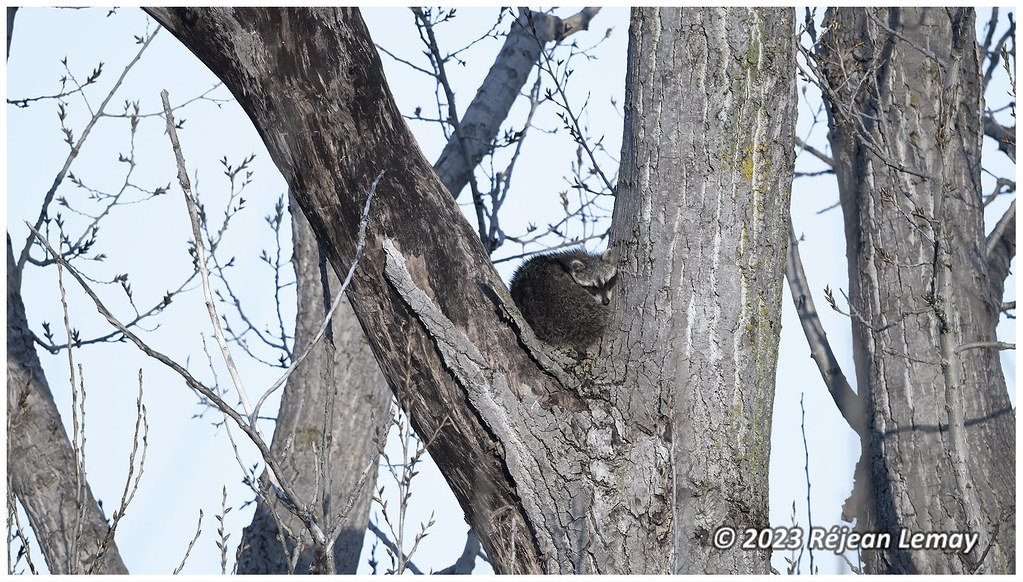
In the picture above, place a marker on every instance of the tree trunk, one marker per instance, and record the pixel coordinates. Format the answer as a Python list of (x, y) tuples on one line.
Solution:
[(533, 453), (701, 222), (41, 465), (904, 96), (354, 416)]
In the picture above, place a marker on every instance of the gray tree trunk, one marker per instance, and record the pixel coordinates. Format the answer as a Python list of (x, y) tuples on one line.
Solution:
[(41, 465), (905, 102), (701, 224), (557, 472), (331, 137)]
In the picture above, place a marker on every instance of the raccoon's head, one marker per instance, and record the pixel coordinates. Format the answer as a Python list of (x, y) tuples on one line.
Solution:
[(594, 273)]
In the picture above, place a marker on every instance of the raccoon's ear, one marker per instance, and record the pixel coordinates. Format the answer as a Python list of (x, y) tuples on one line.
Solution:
[(606, 257), (576, 266)]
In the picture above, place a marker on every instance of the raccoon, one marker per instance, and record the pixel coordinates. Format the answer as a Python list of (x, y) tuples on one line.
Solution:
[(565, 296)]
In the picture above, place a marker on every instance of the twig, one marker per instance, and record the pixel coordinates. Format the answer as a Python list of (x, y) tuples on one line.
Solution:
[(815, 153), (198, 530), (130, 488), (976, 345), (571, 120), (222, 542), (438, 65), (78, 435), (844, 109), (342, 516), (806, 457), (383, 537), (993, 54), (274, 468)]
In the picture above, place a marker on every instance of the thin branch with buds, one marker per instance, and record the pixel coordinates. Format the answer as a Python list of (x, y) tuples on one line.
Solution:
[(191, 544), (77, 147), (131, 486), (285, 489)]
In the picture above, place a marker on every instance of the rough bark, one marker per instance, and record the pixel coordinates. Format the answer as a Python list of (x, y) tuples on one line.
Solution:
[(701, 223), (358, 409), (905, 102), (41, 466), (538, 459)]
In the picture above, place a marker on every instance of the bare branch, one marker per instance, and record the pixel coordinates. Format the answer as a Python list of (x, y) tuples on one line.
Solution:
[(1005, 136), (342, 516), (985, 47), (198, 530), (519, 54), (1001, 246), (846, 400), (815, 152), (993, 53), (467, 561), (977, 345), (130, 487), (578, 21), (77, 147), (286, 490), (397, 551), (459, 137), (1002, 186)]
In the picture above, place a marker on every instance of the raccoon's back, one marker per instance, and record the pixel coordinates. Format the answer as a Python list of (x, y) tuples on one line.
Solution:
[(559, 310)]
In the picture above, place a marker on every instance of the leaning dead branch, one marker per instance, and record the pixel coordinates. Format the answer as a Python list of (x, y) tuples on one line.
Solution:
[(200, 256)]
